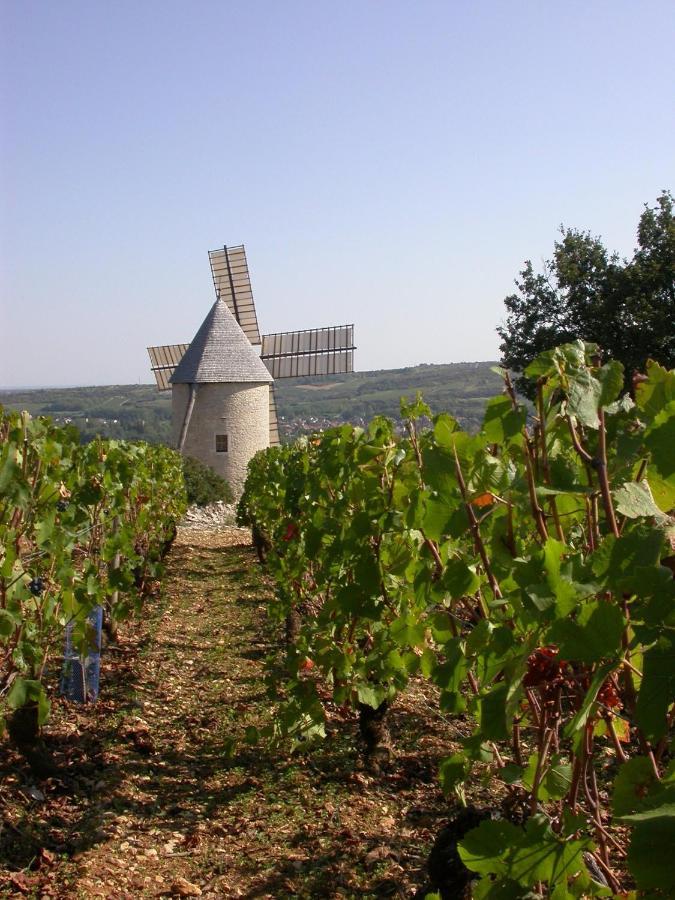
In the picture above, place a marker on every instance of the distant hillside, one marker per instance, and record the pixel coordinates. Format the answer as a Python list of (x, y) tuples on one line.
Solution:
[(140, 412), (459, 388), (131, 411)]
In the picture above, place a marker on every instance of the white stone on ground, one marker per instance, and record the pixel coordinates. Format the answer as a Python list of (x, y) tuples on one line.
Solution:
[(211, 516)]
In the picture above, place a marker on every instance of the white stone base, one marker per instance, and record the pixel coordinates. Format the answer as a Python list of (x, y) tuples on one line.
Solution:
[(241, 411)]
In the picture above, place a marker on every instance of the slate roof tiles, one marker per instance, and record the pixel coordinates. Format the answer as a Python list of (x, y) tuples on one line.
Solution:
[(220, 352)]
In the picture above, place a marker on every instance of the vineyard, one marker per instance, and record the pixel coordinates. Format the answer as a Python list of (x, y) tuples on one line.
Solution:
[(527, 572), (504, 598), (82, 528)]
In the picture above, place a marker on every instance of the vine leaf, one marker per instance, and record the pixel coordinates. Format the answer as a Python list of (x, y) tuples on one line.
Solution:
[(634, 499), (574, 728), (482, 849), (502, 423), (657, 690), (650, 855), (493, 713), (631, 786), (657, 391), (526, 856), (594, 635), (27, 690)]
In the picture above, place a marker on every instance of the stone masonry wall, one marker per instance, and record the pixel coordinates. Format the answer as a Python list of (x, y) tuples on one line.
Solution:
[(241, 411)]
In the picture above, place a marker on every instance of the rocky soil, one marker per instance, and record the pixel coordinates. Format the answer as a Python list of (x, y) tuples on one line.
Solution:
[(158, 790), (215, 515)]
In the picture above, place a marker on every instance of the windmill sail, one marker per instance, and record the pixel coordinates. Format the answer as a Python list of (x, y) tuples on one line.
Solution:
[(163, 361), (287, 354), (233, 285), (274, 424), (314, 351)]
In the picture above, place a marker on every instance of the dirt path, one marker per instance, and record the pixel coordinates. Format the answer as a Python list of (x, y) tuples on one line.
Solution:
[(164, 797)]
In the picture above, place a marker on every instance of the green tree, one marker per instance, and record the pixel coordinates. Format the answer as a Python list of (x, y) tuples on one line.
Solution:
[(627, 307)]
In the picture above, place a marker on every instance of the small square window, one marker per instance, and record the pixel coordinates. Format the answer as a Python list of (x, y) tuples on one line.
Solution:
[(221, 443)]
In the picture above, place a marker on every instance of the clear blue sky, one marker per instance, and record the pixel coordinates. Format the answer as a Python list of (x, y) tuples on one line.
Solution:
[(386, 163)]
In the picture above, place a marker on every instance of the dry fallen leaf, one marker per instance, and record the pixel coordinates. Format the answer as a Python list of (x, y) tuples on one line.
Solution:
[(46, 858), (486, 499), (22, 882), (376, 855), (181, 887)]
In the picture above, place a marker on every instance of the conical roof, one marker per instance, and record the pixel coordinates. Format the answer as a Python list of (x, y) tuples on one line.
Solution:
[(220, 352)]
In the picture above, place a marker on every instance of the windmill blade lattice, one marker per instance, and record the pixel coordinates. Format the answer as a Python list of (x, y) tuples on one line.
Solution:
[(286, 354), (232, 282), (314, 351), (163, 361)]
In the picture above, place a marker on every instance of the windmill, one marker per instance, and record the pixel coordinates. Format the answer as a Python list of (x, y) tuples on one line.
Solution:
[(222, 383)]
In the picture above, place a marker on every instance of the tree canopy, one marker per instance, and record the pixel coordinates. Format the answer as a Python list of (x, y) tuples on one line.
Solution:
[(627, 307)]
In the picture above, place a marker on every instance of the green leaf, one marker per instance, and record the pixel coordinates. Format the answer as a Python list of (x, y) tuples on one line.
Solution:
[(617, 558), (634, 499), (542, 856), (8, 623), (427, 662), (10, 472), (477, 749), (574, 728), (493, 724), (663, 490), (371, 694), (452, 702), (543, 490), (45, 528), (444, 429), (650, 855), (610, 377), (24, 691), (635, 779), (594, 635), (414, 410), (660, 440), (406, 631), (500, 889), (541, 366), (44, 706), (657, 689), (459, 579), (18, 694), (528, 857), (395, 661), (441, 627), (501, 422), (511, 773), (657, 392), (452, 771), (555, 590), (664, 811), (647, 804), (439, 474), (479, 637), (482, 849), (556, 781), (449, 675), (585, 393), (437, 514)]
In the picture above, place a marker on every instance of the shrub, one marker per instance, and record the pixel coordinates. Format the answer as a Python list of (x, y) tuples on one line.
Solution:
[(203, 485)]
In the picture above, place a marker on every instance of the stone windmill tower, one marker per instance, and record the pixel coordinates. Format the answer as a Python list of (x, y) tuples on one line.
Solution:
[(222, 383)]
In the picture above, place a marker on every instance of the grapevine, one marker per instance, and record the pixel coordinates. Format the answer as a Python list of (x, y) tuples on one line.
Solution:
[(527, 572), (81, 526)]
